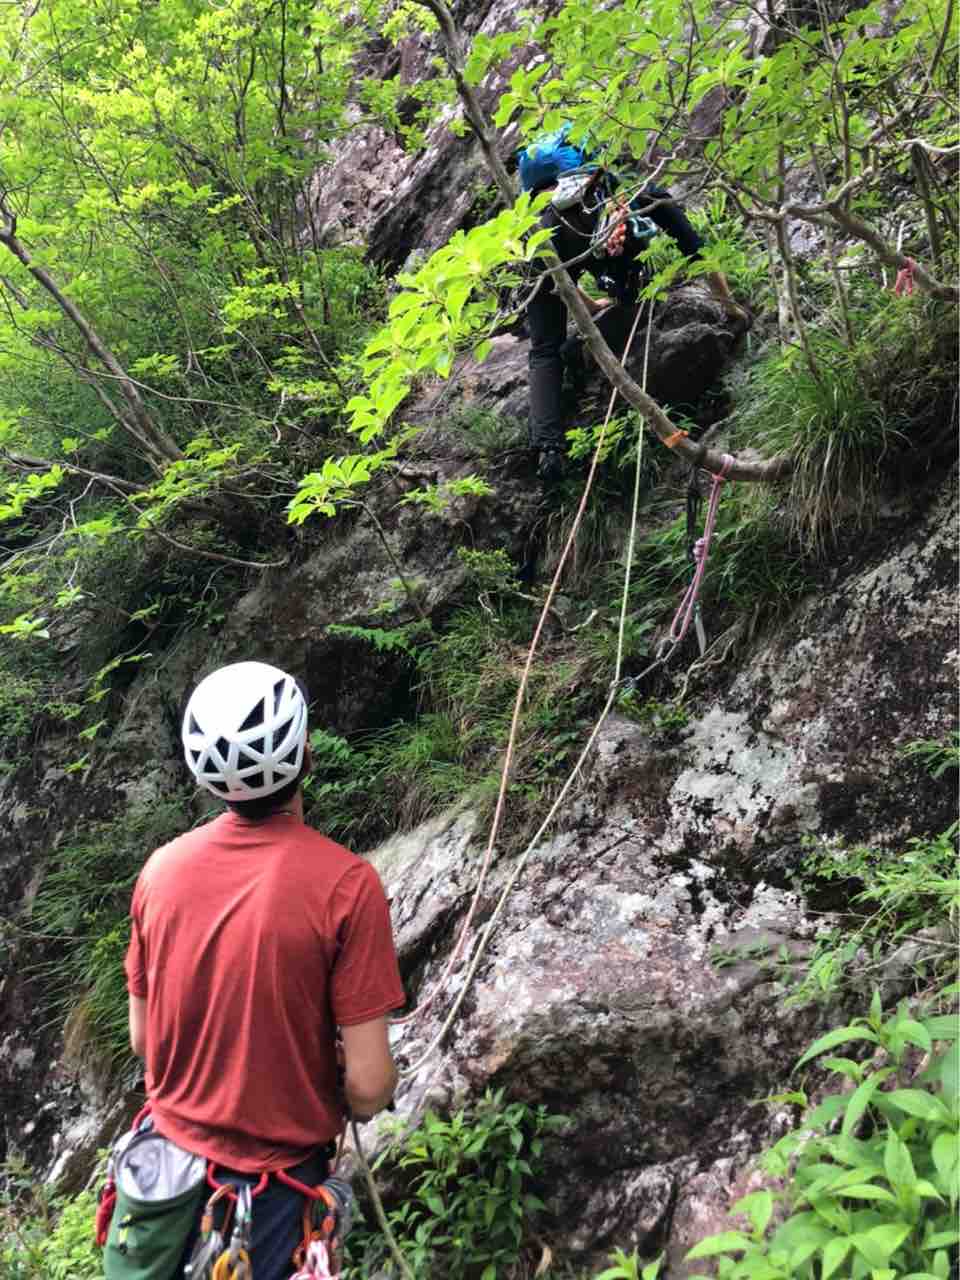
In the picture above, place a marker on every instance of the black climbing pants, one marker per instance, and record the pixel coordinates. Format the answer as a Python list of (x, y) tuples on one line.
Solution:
[(547, 325), (547, 314)]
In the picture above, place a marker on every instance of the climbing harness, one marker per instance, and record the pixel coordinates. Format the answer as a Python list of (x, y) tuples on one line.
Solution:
[(145, 1162), (903, 286)]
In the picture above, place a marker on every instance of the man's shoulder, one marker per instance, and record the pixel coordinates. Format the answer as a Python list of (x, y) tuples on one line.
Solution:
[(339, 861), (181, 846)]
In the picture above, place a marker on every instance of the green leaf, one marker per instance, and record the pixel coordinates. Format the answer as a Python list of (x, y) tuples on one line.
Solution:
[(946, 1155), (943, 1026), (917, 1103), (897, 1163), (879, 1244), (724, 1242), (916, 1033), (758, 1206), (838, 1036), (833, 1255), (941, 1239), (866, 1191), (876, 1008), (860, 1099)]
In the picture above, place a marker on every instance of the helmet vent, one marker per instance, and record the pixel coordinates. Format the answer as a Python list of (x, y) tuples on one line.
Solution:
[(217, 785), (255, 781), (256, 717), (279, 735), (196, 756), (278, 695), (258, 745), (193, 727), (223, 746)]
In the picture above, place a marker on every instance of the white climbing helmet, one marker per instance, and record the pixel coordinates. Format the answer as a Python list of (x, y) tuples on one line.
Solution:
[(244, 731)]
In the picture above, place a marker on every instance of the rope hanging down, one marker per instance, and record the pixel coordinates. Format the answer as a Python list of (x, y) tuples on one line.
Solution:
[(515, 723), (616, 685)]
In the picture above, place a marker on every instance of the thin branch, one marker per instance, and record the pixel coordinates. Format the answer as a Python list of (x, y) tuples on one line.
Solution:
[(196, 551), (159, 442), (25, 462), (471, 104)]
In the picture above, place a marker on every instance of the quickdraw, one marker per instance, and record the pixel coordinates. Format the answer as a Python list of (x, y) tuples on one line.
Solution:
[(326, 1223), (234, 1263), (210, 1245)]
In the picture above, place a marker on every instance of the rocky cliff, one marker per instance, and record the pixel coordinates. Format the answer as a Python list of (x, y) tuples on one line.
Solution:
[(596, 992)]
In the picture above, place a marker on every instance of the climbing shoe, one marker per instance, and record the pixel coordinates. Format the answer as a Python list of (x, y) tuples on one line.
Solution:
[(550, 467)]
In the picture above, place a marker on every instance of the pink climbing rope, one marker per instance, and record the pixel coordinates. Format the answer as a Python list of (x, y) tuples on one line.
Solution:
[(903, 286), (681, 621)]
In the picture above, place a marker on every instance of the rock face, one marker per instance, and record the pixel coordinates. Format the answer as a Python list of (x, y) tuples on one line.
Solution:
[(394, 203), (691, 342), (596, 993)]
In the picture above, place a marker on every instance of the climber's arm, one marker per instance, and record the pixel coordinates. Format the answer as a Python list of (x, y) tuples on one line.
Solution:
[(138, 1025)]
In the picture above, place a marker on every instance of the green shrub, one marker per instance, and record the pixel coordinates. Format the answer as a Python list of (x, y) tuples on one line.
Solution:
[(44, 1237), (854, 424), (873, 1170), (895, 895), (468, 1210), (83, 902)]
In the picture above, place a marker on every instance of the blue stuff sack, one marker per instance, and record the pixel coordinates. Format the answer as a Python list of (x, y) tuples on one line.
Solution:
[(543, 161)]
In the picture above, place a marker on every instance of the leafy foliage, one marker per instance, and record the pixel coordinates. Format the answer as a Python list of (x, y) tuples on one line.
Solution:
[(469, 1208), (82, 906), (874, 1189), (42, 1236), (895, 896)]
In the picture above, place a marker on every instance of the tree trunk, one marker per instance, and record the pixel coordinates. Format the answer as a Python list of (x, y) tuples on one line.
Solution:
[(158, 444)]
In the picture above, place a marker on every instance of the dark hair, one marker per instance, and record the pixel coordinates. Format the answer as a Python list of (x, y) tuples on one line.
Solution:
[(264, 806)]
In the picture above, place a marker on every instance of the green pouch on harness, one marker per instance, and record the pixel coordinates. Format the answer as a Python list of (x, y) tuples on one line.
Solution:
[(160, 1189)]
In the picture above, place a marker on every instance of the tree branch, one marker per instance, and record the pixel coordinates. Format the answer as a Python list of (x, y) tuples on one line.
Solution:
[(698, 455), (26, 462), (157, 441), (453, 56)]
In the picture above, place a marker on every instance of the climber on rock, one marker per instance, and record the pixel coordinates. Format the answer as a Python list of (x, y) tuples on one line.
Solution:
[(596, 229), (253, 938)]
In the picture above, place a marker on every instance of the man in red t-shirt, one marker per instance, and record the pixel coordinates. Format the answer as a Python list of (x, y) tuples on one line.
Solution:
[(253, 939)]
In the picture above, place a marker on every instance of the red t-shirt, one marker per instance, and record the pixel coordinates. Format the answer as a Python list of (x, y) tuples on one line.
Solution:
[(251, 941)]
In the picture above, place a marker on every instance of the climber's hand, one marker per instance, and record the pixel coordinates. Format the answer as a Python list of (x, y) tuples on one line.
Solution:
[(596, 305), (617, 239)]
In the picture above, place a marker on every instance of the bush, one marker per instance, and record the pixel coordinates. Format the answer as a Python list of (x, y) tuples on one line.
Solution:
[(874, 1168), (83, 901), (870, 409), (468, 1210), (45, 1238)]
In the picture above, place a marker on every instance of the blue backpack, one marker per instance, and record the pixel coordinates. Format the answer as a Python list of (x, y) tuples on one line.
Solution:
[(547, 157)]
